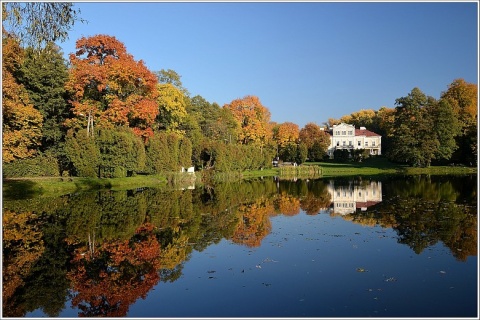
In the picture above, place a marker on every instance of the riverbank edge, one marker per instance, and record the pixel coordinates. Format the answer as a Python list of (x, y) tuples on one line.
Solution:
[(55, 186)]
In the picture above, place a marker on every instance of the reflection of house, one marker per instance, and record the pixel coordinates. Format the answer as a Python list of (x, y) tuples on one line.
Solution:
[(348, 198), (345, 136)]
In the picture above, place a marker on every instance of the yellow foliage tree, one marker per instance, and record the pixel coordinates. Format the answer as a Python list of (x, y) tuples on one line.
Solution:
[(172, 107), (22, 123)]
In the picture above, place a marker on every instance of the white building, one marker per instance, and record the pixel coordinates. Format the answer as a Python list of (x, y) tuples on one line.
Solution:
[(345, 136)]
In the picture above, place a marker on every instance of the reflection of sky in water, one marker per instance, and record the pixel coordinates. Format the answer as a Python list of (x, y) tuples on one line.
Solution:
[(308, 266)]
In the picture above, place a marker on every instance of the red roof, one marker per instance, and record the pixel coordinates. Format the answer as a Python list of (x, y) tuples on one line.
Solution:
[(366, 133)]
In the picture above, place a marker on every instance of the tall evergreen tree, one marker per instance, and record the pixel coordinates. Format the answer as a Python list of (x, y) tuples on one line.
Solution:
[(44, 74)]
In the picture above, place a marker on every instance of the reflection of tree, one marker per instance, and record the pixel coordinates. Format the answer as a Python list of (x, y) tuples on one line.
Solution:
[(255, 223), (287, 204), (36, 256), (47, 282), (317, 198), (22, 247), (120, 272), (428, 211)]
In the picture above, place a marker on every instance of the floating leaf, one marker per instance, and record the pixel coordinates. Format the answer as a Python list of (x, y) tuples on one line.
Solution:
[(361, 270)]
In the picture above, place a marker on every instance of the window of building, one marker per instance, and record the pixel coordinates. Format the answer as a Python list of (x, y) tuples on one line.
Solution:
[(343, 132), (366, 143), (350, 143), (373, 143), (344, 143), (350, 132), (359, 143), (338, 143)]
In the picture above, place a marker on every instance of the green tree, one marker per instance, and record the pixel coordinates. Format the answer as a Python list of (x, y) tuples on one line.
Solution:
[(302, 153), (447, 128), (414, 141), (44, 74)]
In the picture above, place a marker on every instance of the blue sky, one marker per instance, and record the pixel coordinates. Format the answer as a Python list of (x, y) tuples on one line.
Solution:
[(307, 62)]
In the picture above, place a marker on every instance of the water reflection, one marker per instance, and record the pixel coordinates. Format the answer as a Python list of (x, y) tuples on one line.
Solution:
[(347, 198), (105, 250)]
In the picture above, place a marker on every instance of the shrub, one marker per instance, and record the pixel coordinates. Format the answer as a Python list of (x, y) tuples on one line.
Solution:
[(41, 166)]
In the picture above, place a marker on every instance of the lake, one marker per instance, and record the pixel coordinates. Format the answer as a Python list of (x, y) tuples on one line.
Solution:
[(395, 246)]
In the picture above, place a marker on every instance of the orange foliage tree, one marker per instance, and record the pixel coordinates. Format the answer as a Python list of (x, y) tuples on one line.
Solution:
[(286, 133), (253, 119), (110, 88), (22, 123)]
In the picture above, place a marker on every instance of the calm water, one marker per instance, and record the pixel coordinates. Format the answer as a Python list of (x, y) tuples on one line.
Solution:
[(392, 247)]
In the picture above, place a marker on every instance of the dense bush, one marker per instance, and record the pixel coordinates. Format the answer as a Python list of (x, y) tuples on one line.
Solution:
[(168, 152), (43, 165), (235, 158), (83, 154), (121, 151)]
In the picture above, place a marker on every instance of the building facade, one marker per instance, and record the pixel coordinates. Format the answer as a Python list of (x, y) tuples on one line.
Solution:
[(345, 136)]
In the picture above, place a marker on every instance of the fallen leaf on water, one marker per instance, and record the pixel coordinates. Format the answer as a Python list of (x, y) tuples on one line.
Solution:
[(361, 270)]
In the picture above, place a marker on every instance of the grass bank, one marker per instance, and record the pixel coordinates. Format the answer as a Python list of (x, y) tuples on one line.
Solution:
[(56, 186)]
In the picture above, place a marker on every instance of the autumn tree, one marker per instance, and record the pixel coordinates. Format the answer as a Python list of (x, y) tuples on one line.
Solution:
[(362, 118), (463, 99), (21, 122), (287, 133), (316, 141), (110, 88), (253, 119), (385, 122), (172, 101)]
